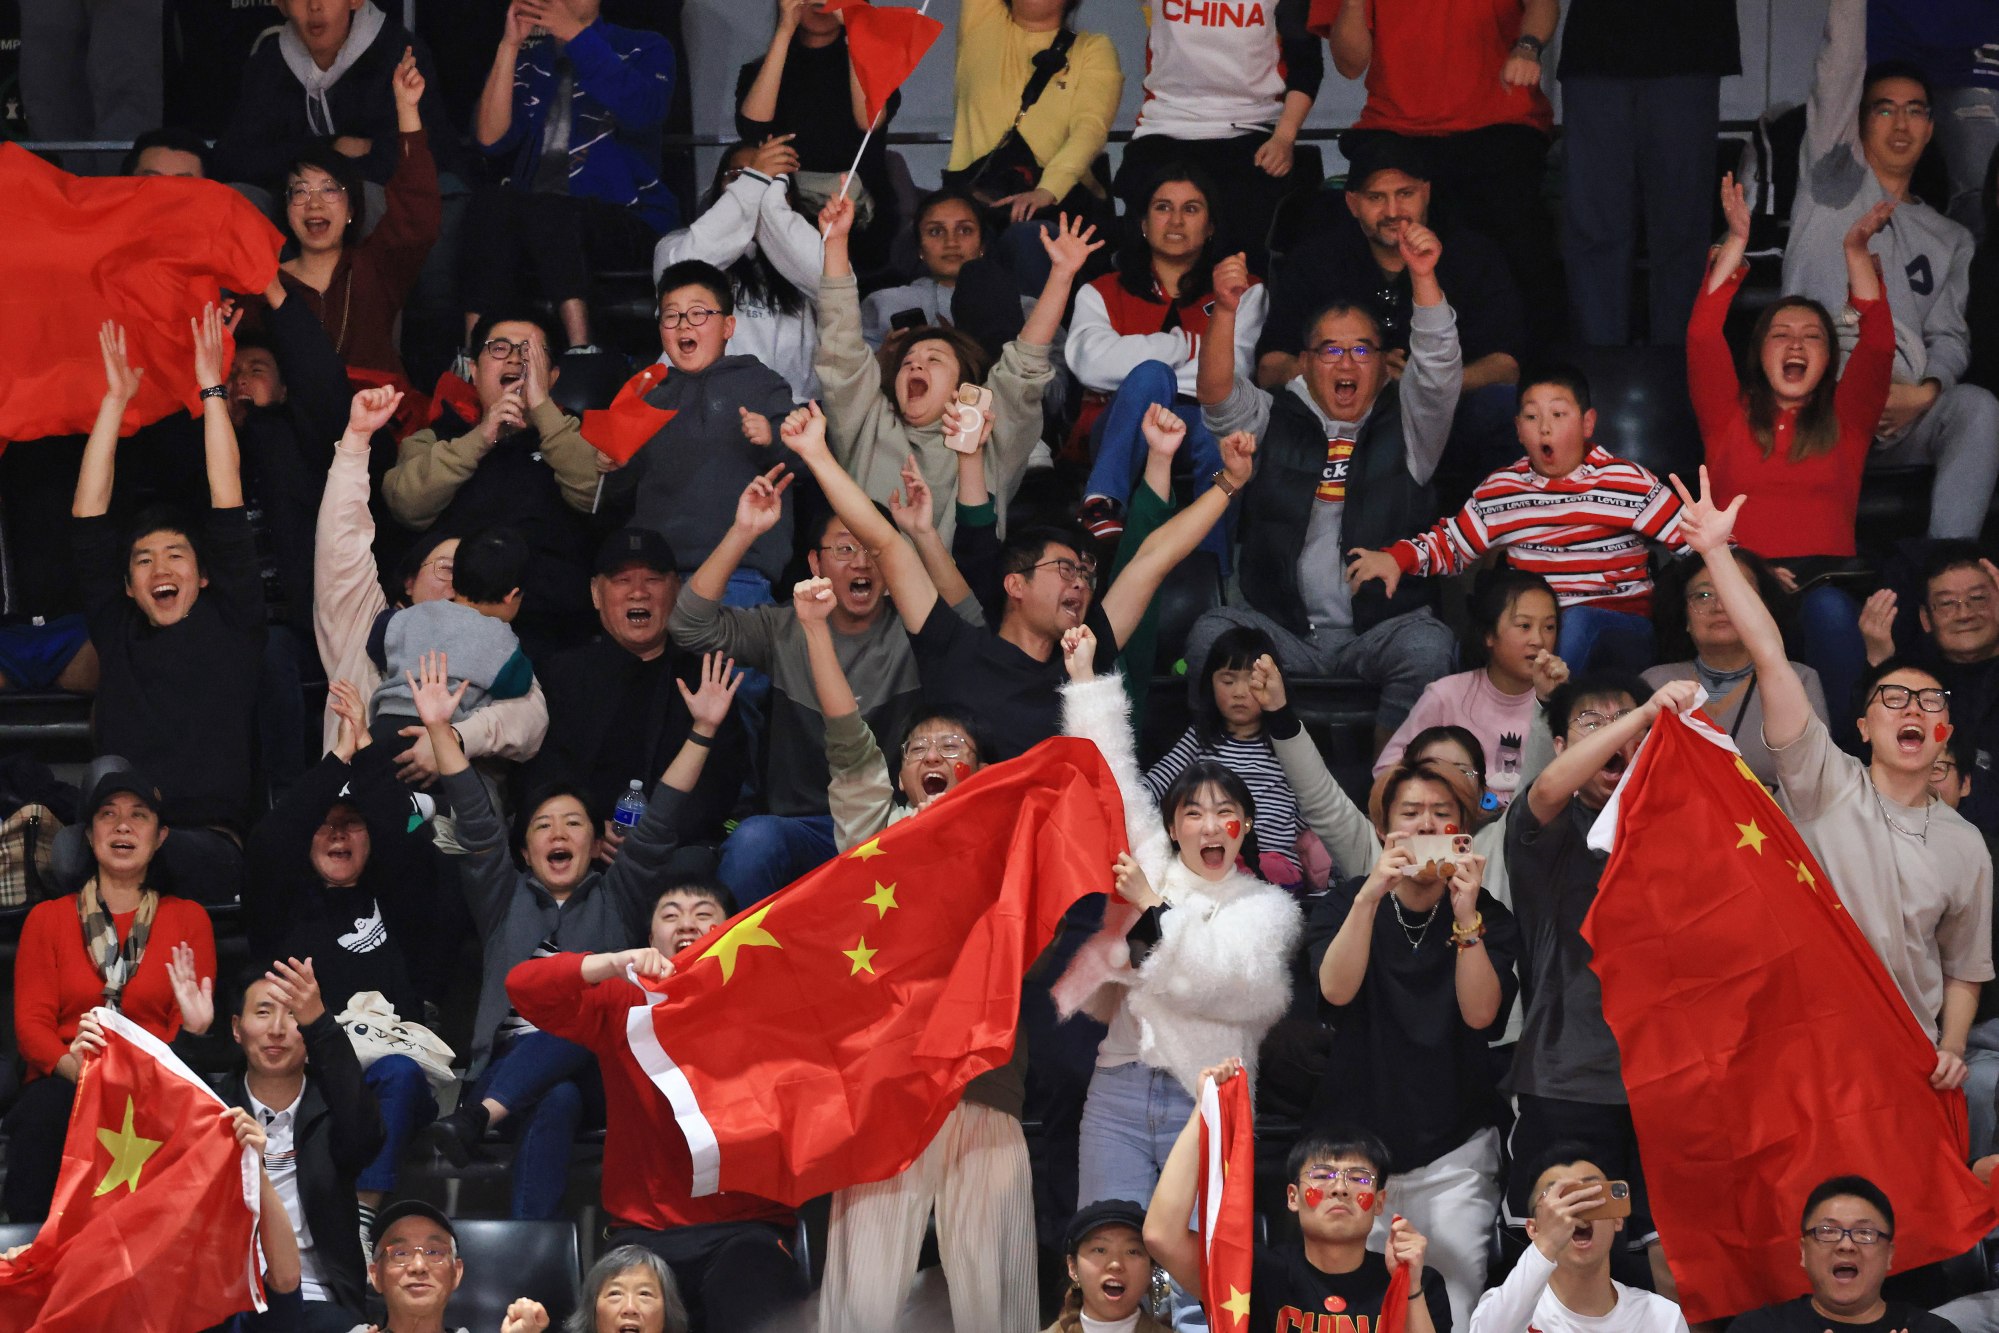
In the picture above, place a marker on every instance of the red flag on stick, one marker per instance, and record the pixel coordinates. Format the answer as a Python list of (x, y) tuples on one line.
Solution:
[(622, 429), (1763, 1043), (886, 46), (1227, 1206), (145, 252), (153, 1227), (820, 1039)]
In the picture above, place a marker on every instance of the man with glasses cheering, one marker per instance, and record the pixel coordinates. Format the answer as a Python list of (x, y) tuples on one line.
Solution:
[(1847, 1245)]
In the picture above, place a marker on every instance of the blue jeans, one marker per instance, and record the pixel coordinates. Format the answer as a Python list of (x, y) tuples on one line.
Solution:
[(407, 1105), (1594, 639), (1829, 642), (1131, 1119), (551, 1090), (767, 852), (1119, 444)]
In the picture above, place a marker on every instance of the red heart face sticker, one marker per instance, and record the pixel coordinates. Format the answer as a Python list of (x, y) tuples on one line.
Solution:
[(1234, 827), (1365, 1199), (1942, 733), (1314, 1197), (962, 769)]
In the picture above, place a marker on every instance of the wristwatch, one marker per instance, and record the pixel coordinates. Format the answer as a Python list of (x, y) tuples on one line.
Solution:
[(216, 391), (1530, 46)]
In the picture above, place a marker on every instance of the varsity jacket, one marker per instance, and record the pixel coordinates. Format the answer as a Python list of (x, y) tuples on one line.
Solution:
[(1113, 331)]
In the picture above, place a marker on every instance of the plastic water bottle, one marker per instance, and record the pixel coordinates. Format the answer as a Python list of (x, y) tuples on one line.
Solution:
[(630, 806)]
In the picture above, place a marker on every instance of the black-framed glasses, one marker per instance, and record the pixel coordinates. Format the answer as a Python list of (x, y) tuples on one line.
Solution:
[(1331, 354), (1831, 1233), (1930, 700), (502, 348), (327, 193), (693, 319), (1070, 572)]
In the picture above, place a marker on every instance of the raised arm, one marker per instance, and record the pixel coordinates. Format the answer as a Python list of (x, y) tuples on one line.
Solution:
[(1435, 376), (1577, 763), (1728, 257), (1787, 709), (1068, 246), (493, 123), (1839, 79), (1215, 368), (909, 584), (1863, 271), (913, 506), (1131, 593), (759, 101), (812, 600), (757, 512), (218, 433), (709, 708), (1175, 1246), (100, 451)]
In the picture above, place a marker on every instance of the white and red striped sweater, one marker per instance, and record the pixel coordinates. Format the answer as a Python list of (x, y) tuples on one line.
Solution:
[(1585, 532)]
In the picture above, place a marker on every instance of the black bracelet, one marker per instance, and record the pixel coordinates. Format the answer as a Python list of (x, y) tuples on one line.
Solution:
[(216, 391), (1416, 1294), (696, 738)]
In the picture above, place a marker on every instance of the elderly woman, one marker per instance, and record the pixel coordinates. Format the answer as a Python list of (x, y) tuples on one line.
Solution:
[(118, 943), (630, 1287)]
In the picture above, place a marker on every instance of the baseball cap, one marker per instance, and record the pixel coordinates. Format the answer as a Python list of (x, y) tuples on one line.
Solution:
[(122, 778), (1371, 151), (1106, 1213), (396, 1212), (635, 546)]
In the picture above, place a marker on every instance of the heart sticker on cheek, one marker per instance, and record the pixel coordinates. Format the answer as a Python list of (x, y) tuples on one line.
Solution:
[(1314, 1197), (1234, 827), (1365, 1199), (962, 769), (1942, 733)]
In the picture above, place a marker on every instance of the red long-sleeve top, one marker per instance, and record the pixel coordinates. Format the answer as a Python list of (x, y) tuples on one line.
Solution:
[(1796, 508), (649, 1187), (55, 983)]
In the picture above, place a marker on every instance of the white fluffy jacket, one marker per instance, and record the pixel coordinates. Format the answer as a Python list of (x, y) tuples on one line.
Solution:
[(1219, 976)]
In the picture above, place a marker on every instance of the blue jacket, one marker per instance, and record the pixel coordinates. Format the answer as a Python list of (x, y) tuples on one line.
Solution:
[(624, 81)]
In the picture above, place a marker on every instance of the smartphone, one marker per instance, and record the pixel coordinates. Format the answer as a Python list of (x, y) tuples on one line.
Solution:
[(965, 419), (1439, 849), (1616, 1203)]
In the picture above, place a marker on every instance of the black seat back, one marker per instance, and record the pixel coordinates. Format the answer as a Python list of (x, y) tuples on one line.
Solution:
[(506, 1260)]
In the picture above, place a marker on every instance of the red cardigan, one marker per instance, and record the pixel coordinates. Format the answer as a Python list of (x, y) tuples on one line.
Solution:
[(55, 983), (1795, 509)]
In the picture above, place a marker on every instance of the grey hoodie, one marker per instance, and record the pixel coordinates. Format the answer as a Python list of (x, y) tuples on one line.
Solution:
[(1925, 257)]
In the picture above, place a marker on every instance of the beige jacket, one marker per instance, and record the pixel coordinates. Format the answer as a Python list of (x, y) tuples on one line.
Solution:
[(429, 470)]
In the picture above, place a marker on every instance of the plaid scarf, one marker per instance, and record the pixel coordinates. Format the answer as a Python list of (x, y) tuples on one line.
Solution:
[(114, 962)]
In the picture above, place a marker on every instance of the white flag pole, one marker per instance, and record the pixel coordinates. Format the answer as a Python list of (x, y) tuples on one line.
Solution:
[(847, 180)]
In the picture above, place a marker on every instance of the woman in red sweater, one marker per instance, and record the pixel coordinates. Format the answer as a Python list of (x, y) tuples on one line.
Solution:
[(117, 943), (1792, 434)]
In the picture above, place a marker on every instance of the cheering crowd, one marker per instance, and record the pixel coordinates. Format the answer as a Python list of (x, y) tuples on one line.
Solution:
[(438, 704)]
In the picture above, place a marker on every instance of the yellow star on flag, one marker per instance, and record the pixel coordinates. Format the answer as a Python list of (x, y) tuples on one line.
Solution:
[(1805, 876), (1747, 772), (128, 1152), (862, 957), (882, 899), (868, 850), (1238, 1303), (1752, 837), (749, 933)]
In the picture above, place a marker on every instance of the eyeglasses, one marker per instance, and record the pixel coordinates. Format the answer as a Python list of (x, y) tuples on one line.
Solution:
[(844, 551), (441, 565), (1941, 770), (1331, 354), (1459, 765), (1950, 606), (1704, 599), (1894, 110), (301, 194), (1357, 1176), (1070, 572), (502, 348), (693, 319), (1830, 1233), (1591, 720), (952, 746), (1931, 700), (402, 1256)]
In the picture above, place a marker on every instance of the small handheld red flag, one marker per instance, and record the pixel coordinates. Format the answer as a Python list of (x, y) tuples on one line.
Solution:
[(1762, 1041), (623, 428), (153, 1226), (1227, 1206), (148, 253), (886, 45)]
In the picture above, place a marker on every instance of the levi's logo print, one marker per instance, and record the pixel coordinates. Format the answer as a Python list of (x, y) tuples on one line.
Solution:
[(1921, 281), (1333, 477)]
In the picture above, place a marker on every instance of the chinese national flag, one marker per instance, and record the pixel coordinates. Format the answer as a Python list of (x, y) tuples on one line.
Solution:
[(822, 1038), (1763, 1044), (622, 429), (886, 46), (145, 252), (1226, 1206), (153, 1226)]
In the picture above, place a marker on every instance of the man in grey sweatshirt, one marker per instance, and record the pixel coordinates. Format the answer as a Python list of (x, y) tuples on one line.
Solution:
[(1865, 128)]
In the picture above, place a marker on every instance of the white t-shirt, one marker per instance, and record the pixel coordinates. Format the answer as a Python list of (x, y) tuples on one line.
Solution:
[(1211, 69), (1525, 1299), (281, 1165)]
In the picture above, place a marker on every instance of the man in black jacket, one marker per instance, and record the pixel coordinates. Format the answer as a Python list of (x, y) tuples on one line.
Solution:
[(1343, 451), (320, 1131)]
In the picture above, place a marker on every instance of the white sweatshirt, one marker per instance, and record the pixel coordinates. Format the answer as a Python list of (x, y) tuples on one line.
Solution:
[(1525, 1300), (1101, 357), (1211, 69)]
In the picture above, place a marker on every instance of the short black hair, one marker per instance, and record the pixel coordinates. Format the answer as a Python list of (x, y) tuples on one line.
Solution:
[(1234, 649), (1212, 772), (1333, 1141), (164, 518), (1874, 675), (1497, 589), (554, 789), (178, 138), (965, 721), (696, 273), (1563, 703), (483, 330), (1894, 69), (1339, 305), (699, 886), (1024, 549), (1564, 1153), (1561, 374), (320, 154), (489, 565), (1858, 1187), (1942, 556)]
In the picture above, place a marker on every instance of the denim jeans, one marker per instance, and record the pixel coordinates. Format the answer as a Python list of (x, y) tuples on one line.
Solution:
[(1130, 1122), (767, 852), (1594, 639), (1829, 642), (551, 1089), (407, 1105), (1120, 443)]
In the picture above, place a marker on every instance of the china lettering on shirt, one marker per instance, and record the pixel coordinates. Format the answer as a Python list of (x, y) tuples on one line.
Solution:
[(1333, 477), (1291, 1319), (1213, 13)]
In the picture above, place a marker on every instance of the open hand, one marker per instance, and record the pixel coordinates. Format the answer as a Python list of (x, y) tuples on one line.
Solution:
[(1070, 244), (1705, 527), (430, 690), (537, 376), (294, 986), (121, 382), (194, 993), (343, 700), (373, 409), (1079, 653), (812, 600), (1735, 207), (1868, 225), (211, 344), (709, 705), (1877, 626)]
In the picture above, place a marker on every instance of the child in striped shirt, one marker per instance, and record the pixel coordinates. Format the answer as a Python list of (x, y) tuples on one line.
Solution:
[(1569, 512)]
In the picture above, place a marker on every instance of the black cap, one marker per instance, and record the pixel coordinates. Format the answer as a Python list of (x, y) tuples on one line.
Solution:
[(1370, 151), (1107, 1213), (124, 778), (396, 1212), (635, 546)]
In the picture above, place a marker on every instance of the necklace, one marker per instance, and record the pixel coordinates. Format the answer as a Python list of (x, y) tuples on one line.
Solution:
[(1414, 935), (1921, 835)]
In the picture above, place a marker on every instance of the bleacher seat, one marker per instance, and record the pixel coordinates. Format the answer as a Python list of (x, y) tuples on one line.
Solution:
[(589, 381), (506, 1260), (1642, 409)]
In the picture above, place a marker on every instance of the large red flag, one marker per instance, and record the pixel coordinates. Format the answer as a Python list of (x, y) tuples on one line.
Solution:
[(822, 1038), (146, 252), (623, 428), (1764, 1046), (153, 1227), (1226, 1203), (886, 46)]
